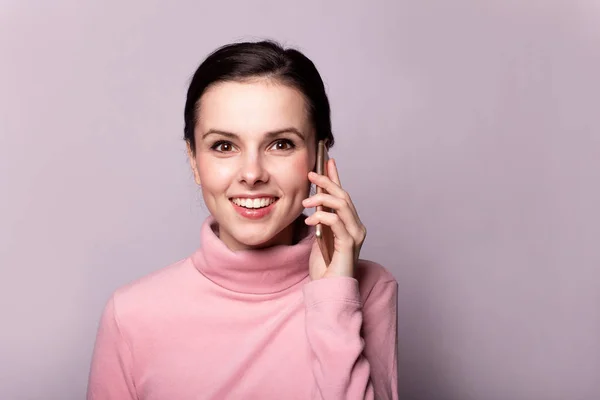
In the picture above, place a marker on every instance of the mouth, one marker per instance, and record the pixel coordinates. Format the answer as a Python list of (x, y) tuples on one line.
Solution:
[(254, 208), (255, 203)]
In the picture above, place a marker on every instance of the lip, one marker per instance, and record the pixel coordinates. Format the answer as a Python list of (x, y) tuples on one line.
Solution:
[(252, 196), (254, 213)]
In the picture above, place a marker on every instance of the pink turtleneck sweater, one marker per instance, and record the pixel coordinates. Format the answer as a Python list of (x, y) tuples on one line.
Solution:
[(248, 325)]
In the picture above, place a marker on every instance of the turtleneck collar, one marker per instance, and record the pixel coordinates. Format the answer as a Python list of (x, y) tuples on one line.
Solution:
[(263, 271)]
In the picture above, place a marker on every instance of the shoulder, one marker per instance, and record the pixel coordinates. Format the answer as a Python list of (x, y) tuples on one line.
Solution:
[(152, 292)]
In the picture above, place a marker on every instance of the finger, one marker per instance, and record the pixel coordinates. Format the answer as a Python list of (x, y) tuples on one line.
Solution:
[(333, 173), (326, 183), (341, 207), (342, 236), (332, 188)]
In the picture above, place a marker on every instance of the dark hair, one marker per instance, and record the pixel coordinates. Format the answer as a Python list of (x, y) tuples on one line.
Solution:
[(247, 60)]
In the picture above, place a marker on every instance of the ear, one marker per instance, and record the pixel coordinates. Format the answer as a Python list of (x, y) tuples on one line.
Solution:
[(193, 162)]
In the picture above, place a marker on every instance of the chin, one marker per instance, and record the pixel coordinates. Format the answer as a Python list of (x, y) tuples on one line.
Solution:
[(249, 238), (255, 242), (260, 234)]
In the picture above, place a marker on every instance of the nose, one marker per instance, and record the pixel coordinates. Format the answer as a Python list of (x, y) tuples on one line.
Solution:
[(253, 170)]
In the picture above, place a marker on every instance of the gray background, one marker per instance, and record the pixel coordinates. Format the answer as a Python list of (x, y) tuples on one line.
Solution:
[(467, 135)]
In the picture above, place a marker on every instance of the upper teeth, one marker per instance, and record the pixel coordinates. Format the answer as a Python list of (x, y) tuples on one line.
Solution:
[(253, 203)]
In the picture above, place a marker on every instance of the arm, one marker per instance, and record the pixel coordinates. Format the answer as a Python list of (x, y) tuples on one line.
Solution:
[(110, 374), (380, 330), (346, 365)]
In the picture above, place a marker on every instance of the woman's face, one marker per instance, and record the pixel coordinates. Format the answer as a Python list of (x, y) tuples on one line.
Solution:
[(254, 148)]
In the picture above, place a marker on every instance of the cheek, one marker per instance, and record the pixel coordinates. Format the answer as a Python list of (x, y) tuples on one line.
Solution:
[(214, 176), (294, 177), (301, 166)]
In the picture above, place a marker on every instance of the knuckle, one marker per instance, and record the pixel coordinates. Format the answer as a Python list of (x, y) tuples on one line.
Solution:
[(346, 197), (360, 236)]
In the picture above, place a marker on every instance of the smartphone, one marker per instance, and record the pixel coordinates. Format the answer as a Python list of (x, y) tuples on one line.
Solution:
[(323, 232)]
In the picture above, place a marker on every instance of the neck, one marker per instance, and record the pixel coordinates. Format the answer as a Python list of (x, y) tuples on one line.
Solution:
[(290, 235), (256, 271)]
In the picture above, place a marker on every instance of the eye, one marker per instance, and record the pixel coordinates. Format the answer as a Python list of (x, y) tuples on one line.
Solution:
[(283, 144), (222, 146)]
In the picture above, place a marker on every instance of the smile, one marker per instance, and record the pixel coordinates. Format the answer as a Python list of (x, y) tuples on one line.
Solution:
[(254, 203)]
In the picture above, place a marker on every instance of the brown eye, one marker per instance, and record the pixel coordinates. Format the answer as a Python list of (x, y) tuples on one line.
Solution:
[(283, 144), (222, 147)]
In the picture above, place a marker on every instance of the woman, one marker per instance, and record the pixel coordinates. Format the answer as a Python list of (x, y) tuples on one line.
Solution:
[(255, 313)]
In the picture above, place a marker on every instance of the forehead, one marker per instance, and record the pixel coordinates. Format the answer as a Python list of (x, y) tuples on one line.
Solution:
[(252, 108)]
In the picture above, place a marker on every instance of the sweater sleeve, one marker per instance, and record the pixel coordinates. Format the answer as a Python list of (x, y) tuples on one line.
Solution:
[(354, 346), (110, 374)]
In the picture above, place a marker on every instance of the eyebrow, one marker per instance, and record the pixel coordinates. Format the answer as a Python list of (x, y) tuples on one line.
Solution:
[(270, 134)]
